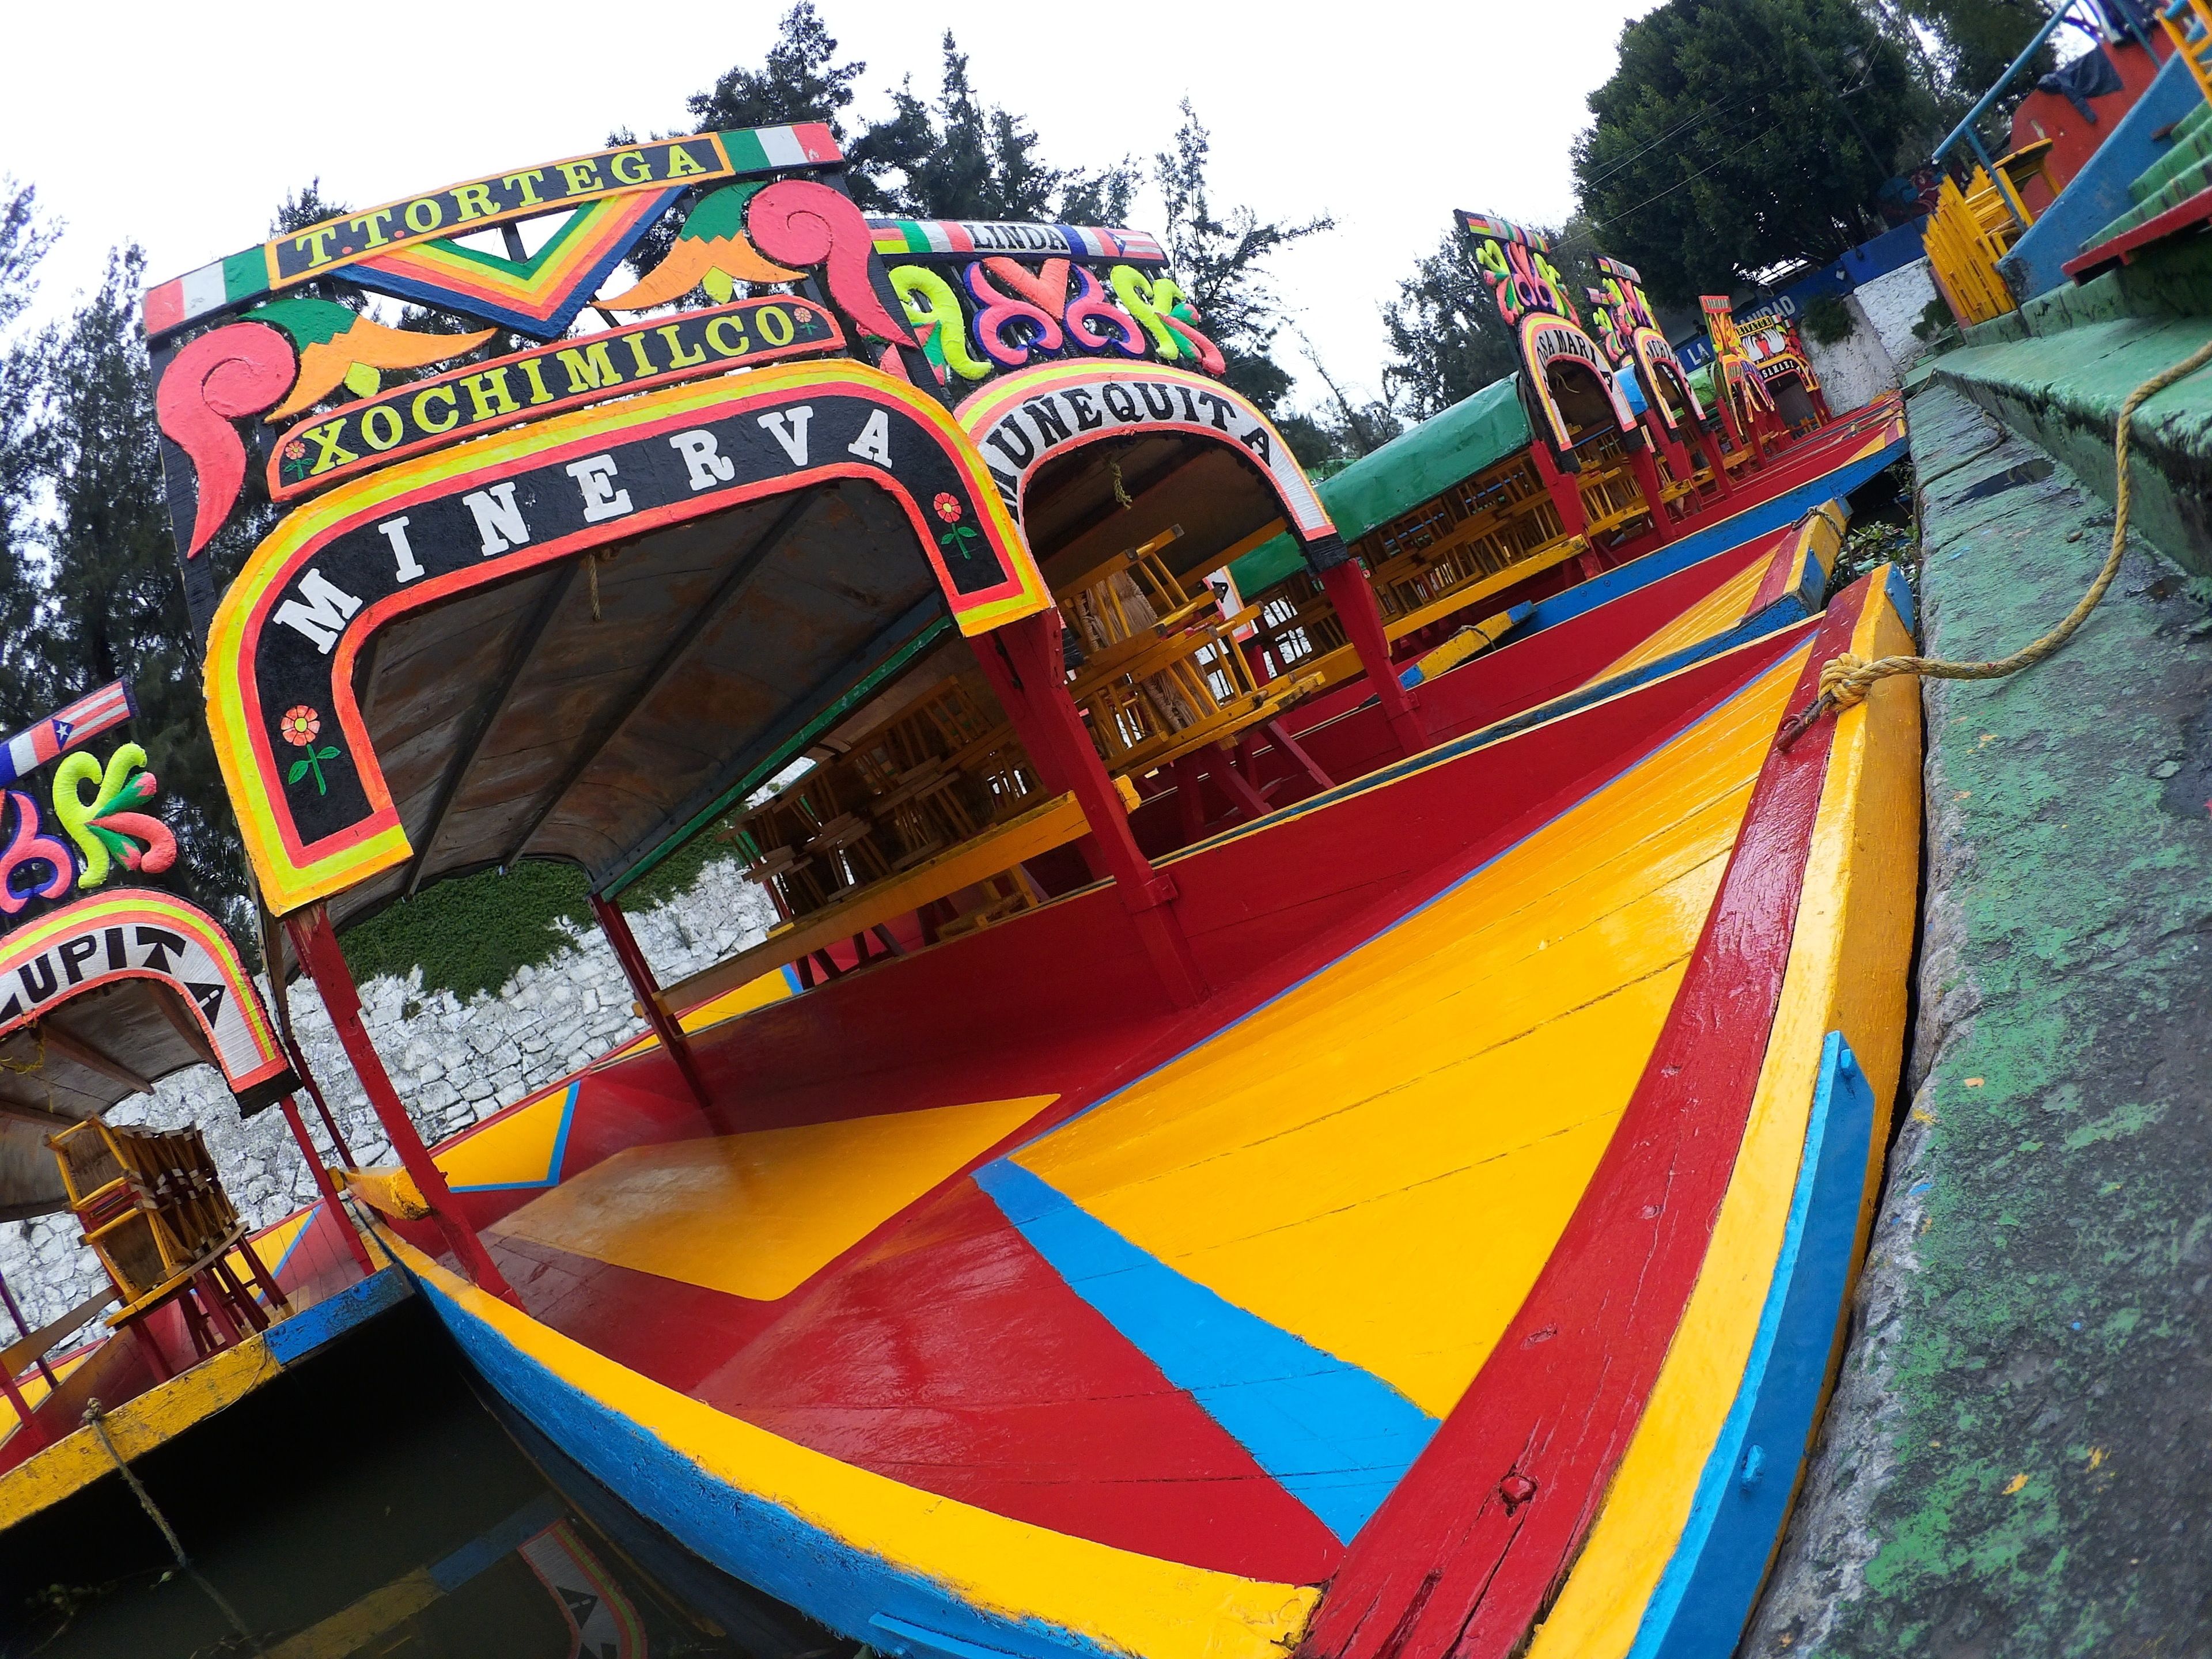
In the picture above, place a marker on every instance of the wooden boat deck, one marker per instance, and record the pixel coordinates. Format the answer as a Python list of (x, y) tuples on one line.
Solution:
[(1194, 1291)]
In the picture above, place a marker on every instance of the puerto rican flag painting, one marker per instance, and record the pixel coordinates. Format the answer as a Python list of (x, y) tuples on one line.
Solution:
[(65, 729)]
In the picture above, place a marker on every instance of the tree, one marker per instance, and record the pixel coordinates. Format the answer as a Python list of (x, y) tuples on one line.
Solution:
[(113, 603), (1967, 44), (1221, 263), (1447, 342), (1737, 136), (963, 158), (24, 239), (800, 79)]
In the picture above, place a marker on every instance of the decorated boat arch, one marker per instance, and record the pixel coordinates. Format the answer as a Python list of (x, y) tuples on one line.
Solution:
[(1076, 1226), (108, 986)]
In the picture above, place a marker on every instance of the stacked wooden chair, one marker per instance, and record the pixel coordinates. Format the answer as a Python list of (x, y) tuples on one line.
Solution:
[(152, 1207), (1162, 676), (908, 791)]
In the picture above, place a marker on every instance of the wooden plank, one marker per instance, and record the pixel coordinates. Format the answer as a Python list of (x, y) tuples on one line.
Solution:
[(1396, 627), (1040, 829), (740, 572), (500, 693), (50, 1335), (35, 1114), (78, 1052)]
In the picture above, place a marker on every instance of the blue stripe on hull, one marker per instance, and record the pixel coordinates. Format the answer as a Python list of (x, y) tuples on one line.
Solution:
[(1337, 1438), (751, 1540), (1706, 1595), (1753, 521)]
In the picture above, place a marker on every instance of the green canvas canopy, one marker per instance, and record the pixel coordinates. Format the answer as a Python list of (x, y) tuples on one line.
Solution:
[(1414, 467)]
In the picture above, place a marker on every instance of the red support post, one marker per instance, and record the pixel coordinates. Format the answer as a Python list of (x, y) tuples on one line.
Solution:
[(1353, 596), (1024, 665), (324, 1184), (1251, 805), (1280, 735), (1715, 459), (1642, 461), (315, 1093), (1560, 485), (15, 1396), (156, 1361), (316, 943), (639, 972)]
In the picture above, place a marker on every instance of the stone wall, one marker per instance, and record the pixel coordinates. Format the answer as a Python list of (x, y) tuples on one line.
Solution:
[(1891, 304), (453, 1064), (1855, 370), (2015, 1463)]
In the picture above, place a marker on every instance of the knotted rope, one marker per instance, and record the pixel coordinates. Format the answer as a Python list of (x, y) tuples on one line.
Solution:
[(1846, 677)]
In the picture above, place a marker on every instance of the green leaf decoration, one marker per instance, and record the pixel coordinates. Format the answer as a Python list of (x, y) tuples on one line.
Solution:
[(299, 770), (309, 322)]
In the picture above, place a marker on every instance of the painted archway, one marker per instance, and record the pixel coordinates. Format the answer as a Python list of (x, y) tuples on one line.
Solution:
[(284, 642), (1741, 392), (1550, 341), (137, 933), (1020, 422), (1663, 373)]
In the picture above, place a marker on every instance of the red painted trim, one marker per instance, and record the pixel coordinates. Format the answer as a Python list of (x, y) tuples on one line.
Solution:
[(1460, 1560), (2122, 248), (382, 815), (1776, 582)]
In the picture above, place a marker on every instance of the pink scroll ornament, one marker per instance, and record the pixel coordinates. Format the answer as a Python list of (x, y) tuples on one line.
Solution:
[(28, 848), (222, 376), (796, 222)]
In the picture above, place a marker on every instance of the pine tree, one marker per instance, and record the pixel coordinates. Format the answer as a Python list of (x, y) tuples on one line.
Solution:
[(1221, 263), (1447, 342), (964, 158), (24, 239), (113, 605), (800, 79)]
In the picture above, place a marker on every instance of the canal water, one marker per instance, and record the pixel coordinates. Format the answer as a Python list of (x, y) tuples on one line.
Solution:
[(365, 1504)]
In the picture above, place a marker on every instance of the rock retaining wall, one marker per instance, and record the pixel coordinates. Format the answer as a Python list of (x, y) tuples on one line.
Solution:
[(454, 1063)]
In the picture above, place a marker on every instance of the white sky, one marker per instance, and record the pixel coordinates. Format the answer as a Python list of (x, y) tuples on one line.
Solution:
[(183, 126)]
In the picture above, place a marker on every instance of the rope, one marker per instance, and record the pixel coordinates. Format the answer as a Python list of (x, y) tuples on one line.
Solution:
[(96, 1418), (1120, 490), (1846, 677)]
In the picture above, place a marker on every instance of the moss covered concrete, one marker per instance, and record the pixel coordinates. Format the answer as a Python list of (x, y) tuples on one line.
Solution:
[(2019, 1458)]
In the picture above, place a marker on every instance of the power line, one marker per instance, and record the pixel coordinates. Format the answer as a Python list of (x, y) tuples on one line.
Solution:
[(1704, 114)]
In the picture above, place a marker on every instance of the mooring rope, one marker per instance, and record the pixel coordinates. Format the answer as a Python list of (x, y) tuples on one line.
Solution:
[(1846, 677), (95, 1418)]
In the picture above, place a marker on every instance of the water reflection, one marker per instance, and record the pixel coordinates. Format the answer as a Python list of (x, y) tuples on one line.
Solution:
[(365, 1504)]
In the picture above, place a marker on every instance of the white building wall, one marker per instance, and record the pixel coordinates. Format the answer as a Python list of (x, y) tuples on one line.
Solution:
[(453, 1064)]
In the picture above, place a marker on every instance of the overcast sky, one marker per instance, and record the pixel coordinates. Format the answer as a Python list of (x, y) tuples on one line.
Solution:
[(182, 126)]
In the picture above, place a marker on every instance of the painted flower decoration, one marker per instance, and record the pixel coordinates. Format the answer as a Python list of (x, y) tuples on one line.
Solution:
[(948, 507), (295, 451), (298, 728)]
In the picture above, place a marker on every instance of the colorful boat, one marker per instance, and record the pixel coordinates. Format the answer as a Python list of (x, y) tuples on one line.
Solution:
[(108, 985), (1397, 1197)]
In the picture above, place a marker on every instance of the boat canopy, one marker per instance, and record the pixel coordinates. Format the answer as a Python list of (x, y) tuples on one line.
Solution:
[(1416, 466), (100, 999)]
